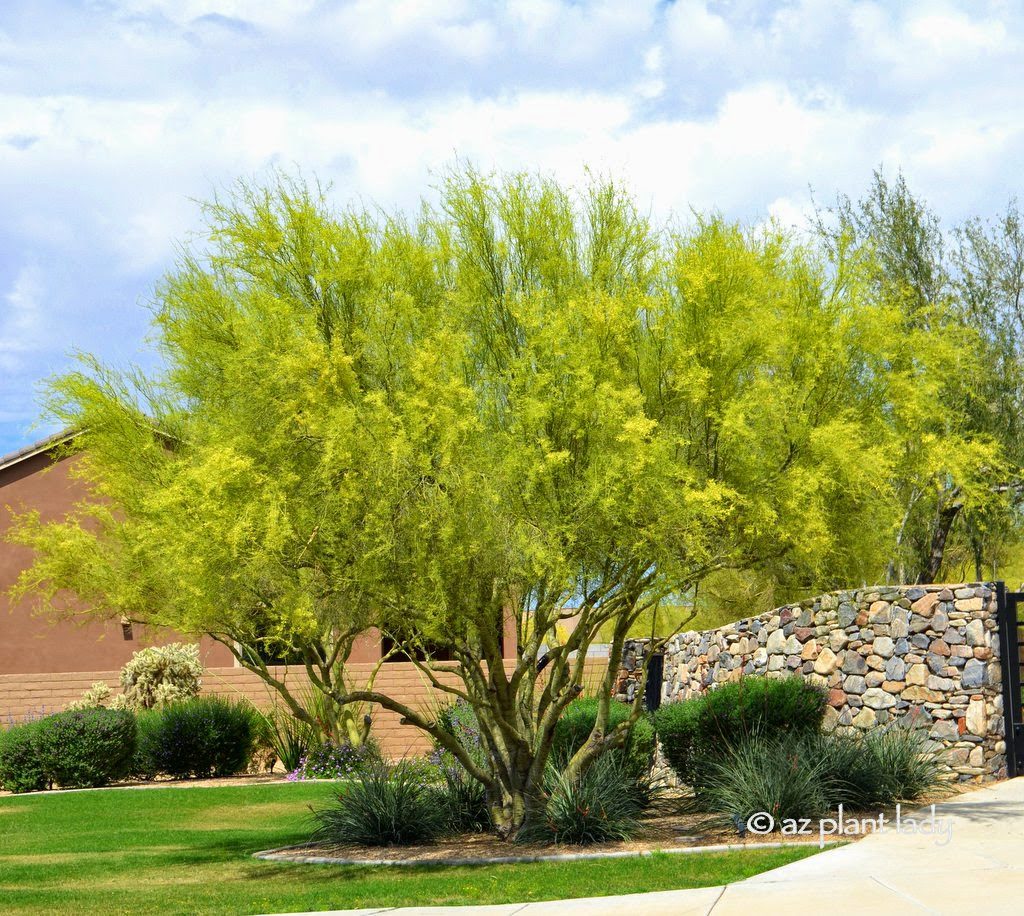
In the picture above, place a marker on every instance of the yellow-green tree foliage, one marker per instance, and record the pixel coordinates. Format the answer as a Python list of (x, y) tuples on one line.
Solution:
[(525, 402), (956, 470)]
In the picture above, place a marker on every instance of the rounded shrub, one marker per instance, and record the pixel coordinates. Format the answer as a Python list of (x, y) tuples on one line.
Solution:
[(143, 765), (384, 806), (87, 747), (696, 731), (676, 725), (204, 736), (21, 769), (577, 722)]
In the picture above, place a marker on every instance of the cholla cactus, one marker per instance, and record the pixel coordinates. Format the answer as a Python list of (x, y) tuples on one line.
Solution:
[(97, 695), (162, 674), (153, 677), (121, 702), (171, 693)]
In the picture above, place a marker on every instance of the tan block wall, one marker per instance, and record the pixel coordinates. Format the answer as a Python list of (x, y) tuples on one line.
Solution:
[(30, 695)]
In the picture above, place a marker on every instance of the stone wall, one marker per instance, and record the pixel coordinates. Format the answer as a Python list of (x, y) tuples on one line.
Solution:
[(921, 655)]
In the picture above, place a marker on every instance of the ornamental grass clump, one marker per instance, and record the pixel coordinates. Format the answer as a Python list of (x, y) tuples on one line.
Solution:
[(911, 768), (599, 805), (782, 776), (463, 798), (794, 776), (287, 738), (386, 805), (880, 767)]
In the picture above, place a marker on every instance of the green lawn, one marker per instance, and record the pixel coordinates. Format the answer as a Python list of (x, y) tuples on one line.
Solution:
[(187, 851)]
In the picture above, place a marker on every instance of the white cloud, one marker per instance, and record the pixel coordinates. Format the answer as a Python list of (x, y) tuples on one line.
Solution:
[(22, 341), (112, 116), (21, 320), (693, 29)]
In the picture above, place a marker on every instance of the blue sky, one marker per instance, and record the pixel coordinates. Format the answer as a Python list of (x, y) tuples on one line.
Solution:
[(116, 116)]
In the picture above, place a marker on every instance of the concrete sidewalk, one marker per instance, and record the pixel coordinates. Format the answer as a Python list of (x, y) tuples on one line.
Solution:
[(980, 869)]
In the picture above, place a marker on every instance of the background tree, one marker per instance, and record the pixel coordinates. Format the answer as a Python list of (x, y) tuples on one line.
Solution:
[(988, 262), (527, 405), (950, 466)]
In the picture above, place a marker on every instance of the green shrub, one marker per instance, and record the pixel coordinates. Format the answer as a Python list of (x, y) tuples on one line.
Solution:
[(143, 765), (21, 770), (696, 731), (384, 806), (677, 725), (577, 722), (85, 748), (205, 736), (780, 775), (598, 806)]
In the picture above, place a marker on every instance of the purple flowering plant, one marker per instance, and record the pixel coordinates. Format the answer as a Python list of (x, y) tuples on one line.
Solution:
[(333, 761)]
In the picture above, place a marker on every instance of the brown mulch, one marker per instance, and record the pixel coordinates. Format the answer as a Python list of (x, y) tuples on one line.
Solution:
[(666, 831), (671, 830)]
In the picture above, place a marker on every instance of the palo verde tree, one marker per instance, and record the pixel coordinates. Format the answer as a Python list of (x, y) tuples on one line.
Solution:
[(525, 409)]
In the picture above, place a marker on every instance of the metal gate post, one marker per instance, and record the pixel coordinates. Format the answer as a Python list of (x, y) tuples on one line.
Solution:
[(1009, 660), (655, 675)]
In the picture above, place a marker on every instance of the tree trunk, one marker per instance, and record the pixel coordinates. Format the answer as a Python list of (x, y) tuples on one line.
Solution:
[(943, 525), (519, 804)]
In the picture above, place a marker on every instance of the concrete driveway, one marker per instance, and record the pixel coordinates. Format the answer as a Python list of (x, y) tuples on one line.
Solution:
[(980, 869)]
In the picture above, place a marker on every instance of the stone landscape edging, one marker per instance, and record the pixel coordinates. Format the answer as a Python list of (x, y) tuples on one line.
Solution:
[(279, 855)]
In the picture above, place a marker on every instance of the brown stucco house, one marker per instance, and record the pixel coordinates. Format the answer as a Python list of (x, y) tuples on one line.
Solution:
[(49, 658), (33, 643)]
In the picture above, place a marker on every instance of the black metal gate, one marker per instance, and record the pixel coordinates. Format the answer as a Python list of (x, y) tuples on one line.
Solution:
[(1011, 628)]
